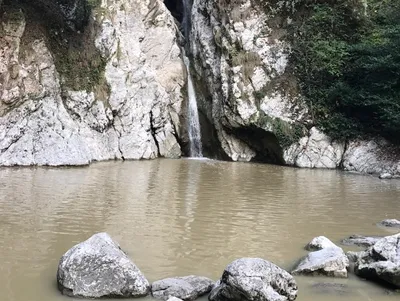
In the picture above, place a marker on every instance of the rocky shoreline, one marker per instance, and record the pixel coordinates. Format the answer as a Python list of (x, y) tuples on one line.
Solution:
[(98, 268)]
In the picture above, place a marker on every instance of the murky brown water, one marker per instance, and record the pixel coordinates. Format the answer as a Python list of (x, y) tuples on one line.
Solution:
[(179, 217)]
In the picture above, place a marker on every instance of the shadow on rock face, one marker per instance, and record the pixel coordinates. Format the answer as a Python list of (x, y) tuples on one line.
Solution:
[(69, 14), (176, 9), (263, 142)]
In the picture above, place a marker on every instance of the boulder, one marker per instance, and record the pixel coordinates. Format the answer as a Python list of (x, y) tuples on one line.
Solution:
[(99, 268), (381, 261), (186, 288), (327, 262), (254, 279), (319, 243), (391, 223), (361, 241)]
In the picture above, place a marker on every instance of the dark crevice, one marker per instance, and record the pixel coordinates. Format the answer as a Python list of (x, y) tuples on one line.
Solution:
[(211, 145), (264, 143), (154, 133), (72, 15), (176, 9), (346, 146)]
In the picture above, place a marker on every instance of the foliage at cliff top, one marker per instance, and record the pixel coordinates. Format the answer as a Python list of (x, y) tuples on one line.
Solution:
[(347, 58)]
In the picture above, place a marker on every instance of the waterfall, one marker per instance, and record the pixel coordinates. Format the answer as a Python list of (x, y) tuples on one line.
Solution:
[(193, 113), (193, 116)]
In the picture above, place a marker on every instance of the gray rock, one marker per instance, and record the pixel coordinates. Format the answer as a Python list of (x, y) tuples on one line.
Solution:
[(385, 176), (254, 279), (328, 262), (381, 261), (186, 288), (361, 241), (375, 156), (319, 243), (98, 268), (317, 150), (136, 113), (353, 256), (391, 223)]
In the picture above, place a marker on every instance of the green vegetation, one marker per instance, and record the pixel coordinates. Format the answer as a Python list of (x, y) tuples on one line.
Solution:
[(286, 133), (79, 62), (77, 59), (75, 55), (94, 3), (347, 59)]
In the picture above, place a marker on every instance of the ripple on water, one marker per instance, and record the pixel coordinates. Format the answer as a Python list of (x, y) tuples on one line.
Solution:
[(178, 217)]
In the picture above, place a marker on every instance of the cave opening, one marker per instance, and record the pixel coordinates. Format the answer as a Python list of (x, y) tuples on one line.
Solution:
[(176, 8), (266, 144)]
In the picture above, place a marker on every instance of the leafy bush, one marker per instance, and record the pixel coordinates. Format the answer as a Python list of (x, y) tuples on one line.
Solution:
[(347, 60)]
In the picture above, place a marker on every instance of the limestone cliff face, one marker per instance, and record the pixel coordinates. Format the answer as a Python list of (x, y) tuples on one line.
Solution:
[(128, 101), (241, 59), (133, 113)]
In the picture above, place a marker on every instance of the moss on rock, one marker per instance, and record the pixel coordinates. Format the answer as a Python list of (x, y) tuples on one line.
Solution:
[(78, 61), (286, 133)]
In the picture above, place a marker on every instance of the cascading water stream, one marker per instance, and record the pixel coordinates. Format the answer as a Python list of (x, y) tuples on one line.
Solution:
[(193, 114)]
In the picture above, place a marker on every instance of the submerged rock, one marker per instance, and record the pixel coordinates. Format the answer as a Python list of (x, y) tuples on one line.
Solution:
[(381, 261), (99, 268), (391, 223), (186, 288), (319, 243), (254, 279), (361, 241), (328, 262), (331, 288)]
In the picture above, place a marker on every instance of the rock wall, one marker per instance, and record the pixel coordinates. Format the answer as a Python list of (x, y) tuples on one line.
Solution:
[(241, 59), (135, 115), (248, 94)]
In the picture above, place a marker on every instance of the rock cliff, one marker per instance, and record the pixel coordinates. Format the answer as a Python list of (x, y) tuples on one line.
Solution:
[(241, 52), (99, 80), (71, 95)]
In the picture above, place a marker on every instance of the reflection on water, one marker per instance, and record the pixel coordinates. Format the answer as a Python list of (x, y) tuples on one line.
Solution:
[(178, 217)]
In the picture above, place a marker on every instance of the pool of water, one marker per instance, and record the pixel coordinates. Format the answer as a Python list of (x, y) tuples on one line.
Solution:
[(180, 217)]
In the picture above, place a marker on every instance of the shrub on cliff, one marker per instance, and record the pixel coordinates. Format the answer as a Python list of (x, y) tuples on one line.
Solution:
[(347, 60)]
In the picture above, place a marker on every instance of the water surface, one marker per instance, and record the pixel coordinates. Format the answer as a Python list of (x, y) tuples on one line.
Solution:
[(180, 217)]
